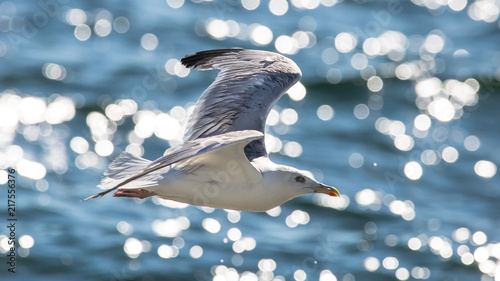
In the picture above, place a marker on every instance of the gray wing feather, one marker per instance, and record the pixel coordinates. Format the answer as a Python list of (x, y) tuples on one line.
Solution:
[(185, 151), (248, 85)]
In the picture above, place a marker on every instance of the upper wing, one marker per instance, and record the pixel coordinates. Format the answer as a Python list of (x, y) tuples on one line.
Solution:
[(249, 84), (192, 149)]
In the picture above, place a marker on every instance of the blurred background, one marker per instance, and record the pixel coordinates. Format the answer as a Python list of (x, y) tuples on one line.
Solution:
[(398, 107)]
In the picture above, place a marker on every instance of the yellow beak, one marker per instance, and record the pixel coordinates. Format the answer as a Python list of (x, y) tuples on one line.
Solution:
[(330, 190)]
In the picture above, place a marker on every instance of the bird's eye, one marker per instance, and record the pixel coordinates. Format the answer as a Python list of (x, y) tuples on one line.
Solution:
[(300, 179)]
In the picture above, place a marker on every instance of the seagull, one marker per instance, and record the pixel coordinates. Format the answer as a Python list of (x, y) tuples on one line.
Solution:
[(222, 162)]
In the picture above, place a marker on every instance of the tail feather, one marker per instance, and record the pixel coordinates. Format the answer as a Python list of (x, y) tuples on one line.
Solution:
[(122, 168)]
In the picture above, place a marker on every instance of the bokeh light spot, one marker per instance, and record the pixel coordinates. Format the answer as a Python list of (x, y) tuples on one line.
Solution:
[(485, 169), (413, 170), (149, 41)]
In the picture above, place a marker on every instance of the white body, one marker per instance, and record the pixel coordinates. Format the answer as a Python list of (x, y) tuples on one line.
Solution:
[(227, 186)]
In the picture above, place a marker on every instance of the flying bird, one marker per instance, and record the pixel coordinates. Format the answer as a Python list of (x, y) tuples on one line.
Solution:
[(222, 162)]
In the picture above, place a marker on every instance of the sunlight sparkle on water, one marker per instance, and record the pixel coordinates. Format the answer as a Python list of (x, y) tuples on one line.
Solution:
[(62, 109), (211, 225), (167, 252), (292, 149), (338, 203), (234, 234), (429, 157), (485, 169), (125, 228), (472, 143), (481, 254), (345, 42), (79, 145), (434, 43), (175, 3), (334, 76), (327, 275), (267, 265), (4, 244), (484, 10), (300, 275), (149, 41), (371, 264), (428, 87), (375, 84), (196, 252), (406, 71), (244, 244), (449, 154), (8, 112), (273, 144), (422, 122), (274, 212), (367, 197), (479, 238), (297, 92), (403, 142), (75, 17), (114, 112), (82, 32), (31, 169), (413, 170), (356, 160), (420, 272), (170, 227), (325, 112), (304, 39), (402, 273), (133, 247), (102, 27), (260, 34), (174, 67), (250, 4), (390, 263), (461, 234), (4, 177), (330, 56), (286, 45), (278, 7), (361, 111), (414, 243), (121, 24), (372, 46), (359, 61), (442, 109), (217, 28), (404, 209), (54, 71), (297, 217), (26, 241), (104, 148), (32, 110), (289, 116)]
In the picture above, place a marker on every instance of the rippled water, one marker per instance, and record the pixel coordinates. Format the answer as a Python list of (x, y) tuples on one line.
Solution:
[(397, 108)]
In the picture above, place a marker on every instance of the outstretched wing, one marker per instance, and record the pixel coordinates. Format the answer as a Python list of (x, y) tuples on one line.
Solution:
[(185, 151), (248, 85)]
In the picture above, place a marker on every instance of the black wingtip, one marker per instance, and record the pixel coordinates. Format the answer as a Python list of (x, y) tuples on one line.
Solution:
[(202, 58)]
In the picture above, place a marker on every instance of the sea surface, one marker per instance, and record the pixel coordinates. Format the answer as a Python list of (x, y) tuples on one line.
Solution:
[(398, 108)]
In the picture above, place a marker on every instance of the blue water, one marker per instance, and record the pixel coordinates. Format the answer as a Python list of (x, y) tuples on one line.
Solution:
[(439, 222)]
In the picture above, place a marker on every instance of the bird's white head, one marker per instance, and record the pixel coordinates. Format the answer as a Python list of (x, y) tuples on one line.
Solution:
[(294, 182)]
